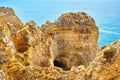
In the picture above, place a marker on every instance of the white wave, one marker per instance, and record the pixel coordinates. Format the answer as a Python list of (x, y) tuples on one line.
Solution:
[(110, 28), (110, 32)]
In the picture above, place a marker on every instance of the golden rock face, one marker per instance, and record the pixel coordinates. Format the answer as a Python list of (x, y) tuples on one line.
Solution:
[(105, 66), (7, 16), (66, 49), (76, 36)]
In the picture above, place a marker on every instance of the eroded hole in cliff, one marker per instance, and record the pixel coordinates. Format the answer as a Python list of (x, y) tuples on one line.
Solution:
[(22, 48), (61, 65)]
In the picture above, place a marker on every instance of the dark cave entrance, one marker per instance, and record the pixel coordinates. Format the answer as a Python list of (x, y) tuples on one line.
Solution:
[(60, 65)]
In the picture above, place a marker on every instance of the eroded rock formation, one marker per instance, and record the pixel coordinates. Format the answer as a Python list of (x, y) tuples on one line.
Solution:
[(7, 16), (106, 65), (76, 36), (46, 52)]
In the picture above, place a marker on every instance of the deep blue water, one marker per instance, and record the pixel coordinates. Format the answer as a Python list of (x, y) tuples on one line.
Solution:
[(105, 12)]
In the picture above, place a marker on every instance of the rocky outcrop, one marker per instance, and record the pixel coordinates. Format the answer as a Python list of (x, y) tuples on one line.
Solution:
[(46, 52), (31, 42), (2, 75), (106, 65), (26, 37), (7, 16), (75, 36), (59, 44), (9, 24), (99, 69), (6, 47)]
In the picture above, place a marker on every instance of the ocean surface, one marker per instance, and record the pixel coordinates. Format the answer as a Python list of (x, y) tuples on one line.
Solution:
[(105, 12)]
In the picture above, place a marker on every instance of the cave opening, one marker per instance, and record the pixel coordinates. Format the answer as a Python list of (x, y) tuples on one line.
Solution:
[(60, 65)]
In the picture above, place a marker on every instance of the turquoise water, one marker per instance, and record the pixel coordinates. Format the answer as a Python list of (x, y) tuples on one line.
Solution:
[(105, 12)]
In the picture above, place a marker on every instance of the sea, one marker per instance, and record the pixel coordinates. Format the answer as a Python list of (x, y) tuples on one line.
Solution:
[(106, 13)]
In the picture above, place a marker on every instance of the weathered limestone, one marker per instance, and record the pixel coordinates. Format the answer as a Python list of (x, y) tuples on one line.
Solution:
[(45, 53), (76, 36)]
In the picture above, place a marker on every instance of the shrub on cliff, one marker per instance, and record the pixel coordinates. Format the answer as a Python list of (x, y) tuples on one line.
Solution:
[(26, 63), (109, 54)]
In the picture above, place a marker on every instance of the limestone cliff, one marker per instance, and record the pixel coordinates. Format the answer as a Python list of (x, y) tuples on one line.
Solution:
[(106, 65), (8, 17), (76, 36), (66, 49)]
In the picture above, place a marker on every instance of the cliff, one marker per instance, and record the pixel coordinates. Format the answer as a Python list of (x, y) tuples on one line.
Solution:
[(66, 49), (76, 36)]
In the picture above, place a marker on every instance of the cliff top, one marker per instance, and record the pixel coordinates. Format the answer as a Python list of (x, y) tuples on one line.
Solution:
[(6, 11)]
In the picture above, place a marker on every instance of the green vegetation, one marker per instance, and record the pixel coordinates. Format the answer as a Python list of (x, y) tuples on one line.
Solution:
[(103, 47), (18, 57), (108, 54), (26, 63)]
